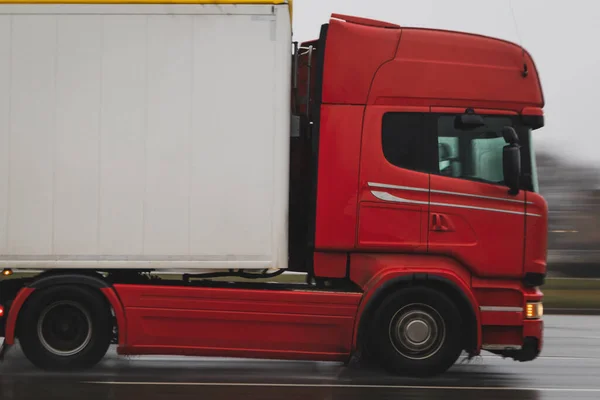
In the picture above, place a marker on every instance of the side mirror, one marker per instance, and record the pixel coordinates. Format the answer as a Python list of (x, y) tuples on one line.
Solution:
[(510, 135), (511, 165)]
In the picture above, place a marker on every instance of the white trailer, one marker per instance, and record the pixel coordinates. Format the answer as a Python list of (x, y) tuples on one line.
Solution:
[(144, 136)]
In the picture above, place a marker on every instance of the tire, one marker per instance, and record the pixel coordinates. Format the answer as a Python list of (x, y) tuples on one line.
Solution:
[(65, 328), (416, 332)]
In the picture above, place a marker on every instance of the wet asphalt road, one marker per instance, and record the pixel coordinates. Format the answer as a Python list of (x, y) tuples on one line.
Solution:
[(568, 369)]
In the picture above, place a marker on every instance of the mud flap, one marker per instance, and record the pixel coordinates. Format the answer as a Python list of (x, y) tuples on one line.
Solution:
[(529, 352)]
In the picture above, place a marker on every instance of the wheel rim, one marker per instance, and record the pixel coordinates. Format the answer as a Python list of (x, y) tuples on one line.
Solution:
[(64, 328), (417, 331)]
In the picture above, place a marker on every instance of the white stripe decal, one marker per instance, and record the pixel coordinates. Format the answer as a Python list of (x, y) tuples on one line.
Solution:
[(415, 189), (501, 308), (389, 197), (534, 215), (477, 208), (386, 186)]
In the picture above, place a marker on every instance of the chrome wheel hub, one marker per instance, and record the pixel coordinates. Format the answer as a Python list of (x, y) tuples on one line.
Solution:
[(417, 331)]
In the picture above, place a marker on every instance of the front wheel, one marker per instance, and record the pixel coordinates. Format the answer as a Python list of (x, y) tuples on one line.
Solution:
[(416, 332), (65, 328)]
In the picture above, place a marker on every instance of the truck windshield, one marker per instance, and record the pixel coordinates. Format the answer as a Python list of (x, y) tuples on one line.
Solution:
[(476, 154)]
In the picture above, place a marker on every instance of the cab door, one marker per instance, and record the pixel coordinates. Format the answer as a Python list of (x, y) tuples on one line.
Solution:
[(394, 182), (472, 216)]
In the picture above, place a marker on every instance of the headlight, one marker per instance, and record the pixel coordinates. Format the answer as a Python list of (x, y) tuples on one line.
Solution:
[(534, 310)]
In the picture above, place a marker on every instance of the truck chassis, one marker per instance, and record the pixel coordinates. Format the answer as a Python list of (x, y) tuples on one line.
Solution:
[(412, 323)]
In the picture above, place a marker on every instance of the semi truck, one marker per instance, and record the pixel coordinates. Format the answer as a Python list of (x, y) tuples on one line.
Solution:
[(148, 148)]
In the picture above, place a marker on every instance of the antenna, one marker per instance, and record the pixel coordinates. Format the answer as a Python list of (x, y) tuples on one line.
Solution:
[(512, 12)]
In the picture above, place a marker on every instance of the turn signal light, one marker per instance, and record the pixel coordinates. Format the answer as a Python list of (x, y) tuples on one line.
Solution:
[(534, 310), (7, 272)]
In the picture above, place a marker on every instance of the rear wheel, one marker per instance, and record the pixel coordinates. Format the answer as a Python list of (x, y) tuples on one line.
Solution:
[(65, 327), (416, 332)]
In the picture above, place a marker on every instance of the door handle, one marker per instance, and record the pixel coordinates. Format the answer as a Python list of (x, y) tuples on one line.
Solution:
[(439, 223)]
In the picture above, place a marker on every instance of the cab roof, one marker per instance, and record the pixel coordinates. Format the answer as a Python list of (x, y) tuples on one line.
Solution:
[(398, 65)]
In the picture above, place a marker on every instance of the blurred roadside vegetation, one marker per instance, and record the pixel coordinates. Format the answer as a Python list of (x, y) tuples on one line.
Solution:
[(572, 293)]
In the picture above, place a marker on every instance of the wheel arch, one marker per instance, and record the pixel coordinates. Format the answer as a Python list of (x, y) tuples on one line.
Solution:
[(89, 279), (465, 302)]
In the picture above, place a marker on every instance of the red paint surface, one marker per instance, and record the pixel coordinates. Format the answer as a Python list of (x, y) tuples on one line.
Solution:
[(384, 224), (533, 294), (352, 56), (232, 352), (502, 292), (515, 335), (504, 335), (420, 70), (246, 323), (534, 329), (488, 243), (501, 318), (496, 284), (15, 308), (370, 271), (339, 157), (458, 69), (499, 297), (536, 234), (330, 265), (508, 327), (389, 227)]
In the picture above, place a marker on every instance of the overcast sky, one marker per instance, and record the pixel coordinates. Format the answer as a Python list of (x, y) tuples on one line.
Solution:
[(563, 37)]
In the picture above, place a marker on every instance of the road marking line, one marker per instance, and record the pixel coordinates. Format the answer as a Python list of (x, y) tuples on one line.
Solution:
[(178, 359), (553, 358), (348, 386)]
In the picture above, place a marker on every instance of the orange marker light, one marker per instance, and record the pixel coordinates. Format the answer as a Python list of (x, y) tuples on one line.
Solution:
[(534, 310)]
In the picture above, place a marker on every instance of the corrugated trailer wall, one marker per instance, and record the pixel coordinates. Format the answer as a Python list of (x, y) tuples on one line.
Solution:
[(144, 135)]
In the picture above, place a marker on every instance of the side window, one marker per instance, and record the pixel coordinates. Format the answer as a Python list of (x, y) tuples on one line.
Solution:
[(404, 141), (432, 143), (474, 154)]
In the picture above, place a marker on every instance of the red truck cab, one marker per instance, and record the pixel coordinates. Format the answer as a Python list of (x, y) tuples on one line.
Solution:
[(407, 186), (414, 211)]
